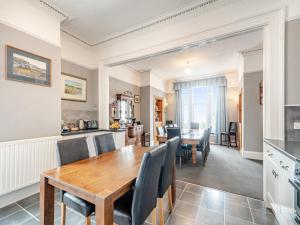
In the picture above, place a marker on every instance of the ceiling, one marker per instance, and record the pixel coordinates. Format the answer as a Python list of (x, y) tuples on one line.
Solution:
[(95, 21), (216, 57)]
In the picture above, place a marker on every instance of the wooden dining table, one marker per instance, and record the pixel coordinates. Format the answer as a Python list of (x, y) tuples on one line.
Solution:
[(99, 180), (188, 136)]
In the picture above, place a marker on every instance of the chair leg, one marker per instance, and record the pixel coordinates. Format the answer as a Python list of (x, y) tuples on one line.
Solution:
[(63, 214), (88, 220), (161, 211), (170, 198), (153, 217), (229, 141), (180, 162)]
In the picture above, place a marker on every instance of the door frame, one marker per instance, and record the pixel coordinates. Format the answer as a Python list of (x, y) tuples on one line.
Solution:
[(273, 25)]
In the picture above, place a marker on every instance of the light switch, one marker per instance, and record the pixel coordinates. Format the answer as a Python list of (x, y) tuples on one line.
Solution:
[(296, 125)]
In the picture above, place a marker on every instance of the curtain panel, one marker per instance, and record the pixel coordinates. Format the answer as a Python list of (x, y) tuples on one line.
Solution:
[(179, 114), (218, 81)]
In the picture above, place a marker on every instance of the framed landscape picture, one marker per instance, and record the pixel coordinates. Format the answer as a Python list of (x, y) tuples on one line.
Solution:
[(137, 99), (27, 67), (73, 88)]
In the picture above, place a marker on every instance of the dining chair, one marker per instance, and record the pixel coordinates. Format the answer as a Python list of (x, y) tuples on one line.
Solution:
[(69, 151), (165, 179), (232, 132), (195, 126), (168, 122), (135, 206), (176, 132), (104, 143)]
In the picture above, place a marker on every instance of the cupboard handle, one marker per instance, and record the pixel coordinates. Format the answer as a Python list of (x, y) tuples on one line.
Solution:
[(271, 154), (295, 184), (281, 162), (285, 167)]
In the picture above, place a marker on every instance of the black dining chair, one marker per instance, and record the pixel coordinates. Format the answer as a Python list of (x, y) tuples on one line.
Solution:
[(231, 133), (176, 132), (165, 179), (69, 151), (104, 143), (168, 122), (135, 206), (195, 126)]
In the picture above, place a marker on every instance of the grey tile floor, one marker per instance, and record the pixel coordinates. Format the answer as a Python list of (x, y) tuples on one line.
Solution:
[(195, 205)]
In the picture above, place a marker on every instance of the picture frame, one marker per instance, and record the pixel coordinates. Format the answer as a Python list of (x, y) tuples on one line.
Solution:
[(26, 67), (137, 99), (73, 88)]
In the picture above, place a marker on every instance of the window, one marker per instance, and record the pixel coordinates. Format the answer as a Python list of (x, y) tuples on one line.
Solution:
[(199, 105)]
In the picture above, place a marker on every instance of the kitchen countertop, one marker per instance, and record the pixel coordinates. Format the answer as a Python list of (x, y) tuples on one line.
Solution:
[(90, 131), (289, 148)]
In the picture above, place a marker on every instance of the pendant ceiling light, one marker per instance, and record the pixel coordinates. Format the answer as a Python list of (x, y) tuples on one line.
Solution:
[(188, 70)]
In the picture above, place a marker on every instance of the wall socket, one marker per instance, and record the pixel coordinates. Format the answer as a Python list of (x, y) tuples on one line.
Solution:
[(297, 125)]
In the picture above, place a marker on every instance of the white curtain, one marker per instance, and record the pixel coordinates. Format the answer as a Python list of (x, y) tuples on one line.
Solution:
[(204, 101), (178, 100), (222, 113)]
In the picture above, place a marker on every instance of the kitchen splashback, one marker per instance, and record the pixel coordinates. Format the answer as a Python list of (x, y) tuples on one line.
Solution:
[(292, 114), (72, 116)]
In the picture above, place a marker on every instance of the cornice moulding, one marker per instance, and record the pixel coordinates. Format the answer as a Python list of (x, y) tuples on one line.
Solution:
[(161, 20)]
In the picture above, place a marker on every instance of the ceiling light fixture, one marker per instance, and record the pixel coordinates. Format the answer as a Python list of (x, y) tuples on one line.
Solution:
[(187, 70)]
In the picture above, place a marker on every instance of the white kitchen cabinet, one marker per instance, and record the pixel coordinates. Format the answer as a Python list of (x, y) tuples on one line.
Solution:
[(279, 193)]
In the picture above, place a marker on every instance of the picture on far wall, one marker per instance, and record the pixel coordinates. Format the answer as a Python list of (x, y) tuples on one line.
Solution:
[(73, 88), (137, 99), (27, 67)]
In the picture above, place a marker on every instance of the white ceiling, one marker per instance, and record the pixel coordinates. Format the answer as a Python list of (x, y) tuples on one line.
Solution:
[(217, 57), (96, 20)]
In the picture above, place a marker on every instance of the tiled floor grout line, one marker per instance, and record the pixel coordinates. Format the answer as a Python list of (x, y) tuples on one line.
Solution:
[(176, 202), (217, 190), (250, 211), (11, 213), (224, 209), (34, 217)]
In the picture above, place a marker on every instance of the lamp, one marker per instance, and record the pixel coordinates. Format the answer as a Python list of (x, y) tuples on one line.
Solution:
[(187, 70)]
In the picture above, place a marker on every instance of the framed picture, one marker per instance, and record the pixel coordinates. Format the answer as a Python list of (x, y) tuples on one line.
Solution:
[(137, 99), (27, 67), (73, 88)]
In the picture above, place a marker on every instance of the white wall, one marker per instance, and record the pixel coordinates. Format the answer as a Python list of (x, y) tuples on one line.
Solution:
[(77, 52), (30, 19), (157, 82), (126, 74), (253, 61)]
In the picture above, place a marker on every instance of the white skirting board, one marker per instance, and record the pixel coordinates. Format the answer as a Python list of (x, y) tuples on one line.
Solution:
[(18, 195), (252, 155)]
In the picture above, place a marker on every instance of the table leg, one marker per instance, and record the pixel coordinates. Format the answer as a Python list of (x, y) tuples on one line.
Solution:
[(173, 184), (194, 150), (104, 211), (46, 202)]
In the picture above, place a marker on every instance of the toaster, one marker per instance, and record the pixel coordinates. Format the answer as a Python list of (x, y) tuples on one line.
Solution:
[(92, 124)]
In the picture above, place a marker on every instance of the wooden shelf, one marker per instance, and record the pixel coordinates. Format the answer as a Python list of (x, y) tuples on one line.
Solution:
[(158, 115)]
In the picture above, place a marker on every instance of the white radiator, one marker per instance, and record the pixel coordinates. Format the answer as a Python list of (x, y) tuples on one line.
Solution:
[(22, 162)]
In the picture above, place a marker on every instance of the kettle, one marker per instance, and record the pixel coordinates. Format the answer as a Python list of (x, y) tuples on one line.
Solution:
[(81, 124)]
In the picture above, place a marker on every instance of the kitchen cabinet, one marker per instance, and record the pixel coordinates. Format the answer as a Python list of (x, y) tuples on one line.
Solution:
[(279, 193)]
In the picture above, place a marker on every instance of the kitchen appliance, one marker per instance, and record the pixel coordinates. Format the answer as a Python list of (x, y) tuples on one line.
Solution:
[(82, 124), (296, 184), (92, 124)]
